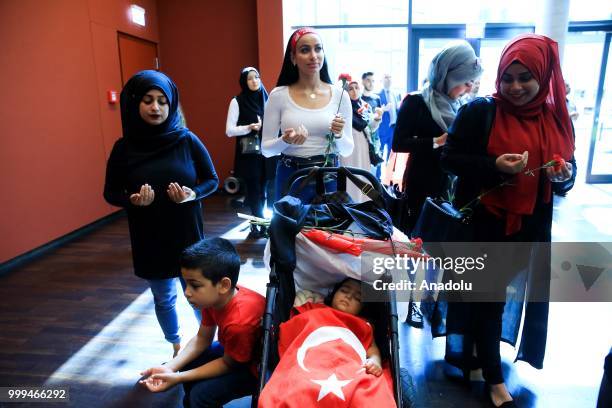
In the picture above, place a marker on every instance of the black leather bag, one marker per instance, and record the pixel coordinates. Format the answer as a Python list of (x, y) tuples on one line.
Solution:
[(439, 221), (250, 144), (397, 206)]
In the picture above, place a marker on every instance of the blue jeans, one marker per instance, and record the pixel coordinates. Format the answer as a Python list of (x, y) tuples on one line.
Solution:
[(164, 296), (284, 170), (216, 391), (386, 140)]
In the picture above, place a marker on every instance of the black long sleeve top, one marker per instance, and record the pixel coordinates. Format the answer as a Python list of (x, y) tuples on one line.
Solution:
[(414, 133), (160, 231)]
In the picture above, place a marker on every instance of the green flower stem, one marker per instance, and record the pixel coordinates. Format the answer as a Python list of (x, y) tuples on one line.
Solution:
[(331, 139), (467, 207), (529, 172)]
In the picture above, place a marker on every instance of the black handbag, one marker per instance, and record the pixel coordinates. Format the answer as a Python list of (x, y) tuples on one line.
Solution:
[(250, 144), (439, 221), (397, 206)]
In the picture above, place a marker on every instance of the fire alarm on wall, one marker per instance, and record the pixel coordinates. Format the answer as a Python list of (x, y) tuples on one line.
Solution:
[(113, 97)]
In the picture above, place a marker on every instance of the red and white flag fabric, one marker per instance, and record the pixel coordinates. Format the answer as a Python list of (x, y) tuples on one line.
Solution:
[(322, 355), (324, 258), (356, 246)]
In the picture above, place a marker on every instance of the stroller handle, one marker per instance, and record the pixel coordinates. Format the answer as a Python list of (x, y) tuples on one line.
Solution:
[(319, 172)]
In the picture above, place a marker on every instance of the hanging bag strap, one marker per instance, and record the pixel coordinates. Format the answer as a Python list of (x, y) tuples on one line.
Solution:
[(312, 175), (366, 188)]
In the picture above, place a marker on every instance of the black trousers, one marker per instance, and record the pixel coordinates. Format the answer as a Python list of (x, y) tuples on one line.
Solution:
[(255, 194), (478, 325), (252, 171), (217, 391), (487, 318)]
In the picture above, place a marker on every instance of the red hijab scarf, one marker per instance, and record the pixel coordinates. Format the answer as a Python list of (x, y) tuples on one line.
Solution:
[(542, 127)]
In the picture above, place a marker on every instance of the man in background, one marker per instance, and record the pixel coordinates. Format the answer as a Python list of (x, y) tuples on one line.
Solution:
[(367, 80), (372, 99), (390, 103)]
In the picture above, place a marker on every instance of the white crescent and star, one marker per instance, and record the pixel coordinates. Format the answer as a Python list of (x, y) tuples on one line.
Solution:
[(330, 333), (323, 335), (333, 385)]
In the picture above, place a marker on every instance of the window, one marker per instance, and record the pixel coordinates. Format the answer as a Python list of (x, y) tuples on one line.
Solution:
[(472, 11), (590, 10), (372, 35), (342, 12), (358, 50)]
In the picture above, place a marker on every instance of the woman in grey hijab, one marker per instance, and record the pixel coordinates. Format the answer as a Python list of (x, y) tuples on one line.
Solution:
[(452, 73), (422, 126)]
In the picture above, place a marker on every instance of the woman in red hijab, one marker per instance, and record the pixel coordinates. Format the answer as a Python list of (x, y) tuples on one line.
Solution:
[(491, 147)]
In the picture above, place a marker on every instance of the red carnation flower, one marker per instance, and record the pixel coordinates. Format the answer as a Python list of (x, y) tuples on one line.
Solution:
[(559, 162), (418, 244), (344, 77)]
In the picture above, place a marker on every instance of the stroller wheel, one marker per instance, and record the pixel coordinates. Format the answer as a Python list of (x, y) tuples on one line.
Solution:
[(231, 185)]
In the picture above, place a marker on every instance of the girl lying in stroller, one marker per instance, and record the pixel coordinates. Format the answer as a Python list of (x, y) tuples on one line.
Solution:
[(328, 357)]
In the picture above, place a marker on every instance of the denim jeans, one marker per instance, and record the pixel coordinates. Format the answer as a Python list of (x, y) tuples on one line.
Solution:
[(164, 296), (216, 391)]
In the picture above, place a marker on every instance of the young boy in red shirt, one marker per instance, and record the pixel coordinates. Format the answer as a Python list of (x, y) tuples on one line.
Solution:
[(214, 373)]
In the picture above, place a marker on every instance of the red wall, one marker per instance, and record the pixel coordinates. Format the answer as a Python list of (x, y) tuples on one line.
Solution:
[(203, 47), (270, 34), (58, 59)]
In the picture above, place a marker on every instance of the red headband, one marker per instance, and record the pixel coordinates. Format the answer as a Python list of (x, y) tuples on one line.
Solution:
[(299, 34)]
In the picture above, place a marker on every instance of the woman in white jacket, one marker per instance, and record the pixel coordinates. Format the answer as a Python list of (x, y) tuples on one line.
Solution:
[(244, 123)]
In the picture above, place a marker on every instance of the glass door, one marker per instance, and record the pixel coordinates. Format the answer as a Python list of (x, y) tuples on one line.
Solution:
[(356, 50), (581, 71), (427, 40), (599, 168), (490, 52), (428, 48)]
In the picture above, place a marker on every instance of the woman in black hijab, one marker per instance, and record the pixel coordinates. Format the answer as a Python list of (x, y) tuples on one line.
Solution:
[(244, 119), (158, 171)]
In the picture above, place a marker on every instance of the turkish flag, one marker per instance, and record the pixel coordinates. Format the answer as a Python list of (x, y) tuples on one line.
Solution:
[(322, 353), (356, 246)]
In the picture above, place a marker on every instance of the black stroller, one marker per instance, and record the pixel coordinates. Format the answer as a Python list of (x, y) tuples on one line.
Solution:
[(290, 216)]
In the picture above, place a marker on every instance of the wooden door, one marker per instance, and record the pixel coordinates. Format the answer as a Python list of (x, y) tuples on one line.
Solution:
[(136, 54)]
